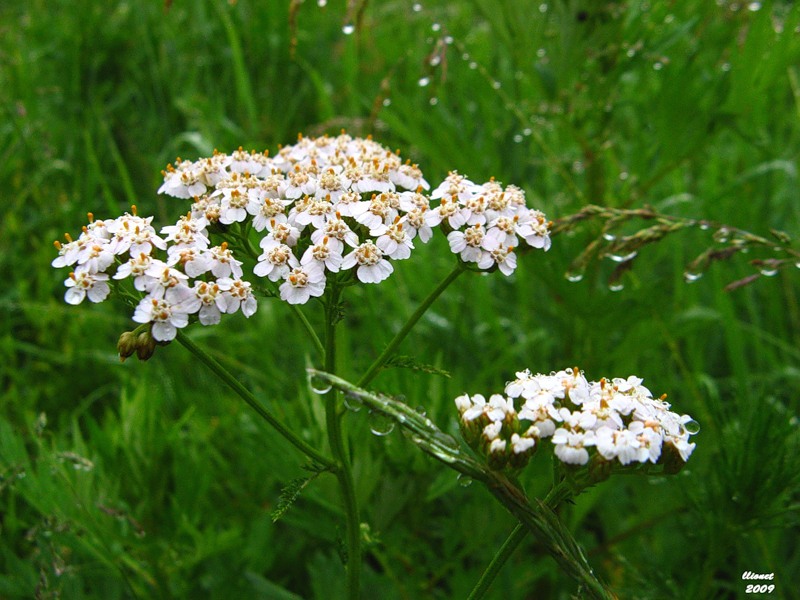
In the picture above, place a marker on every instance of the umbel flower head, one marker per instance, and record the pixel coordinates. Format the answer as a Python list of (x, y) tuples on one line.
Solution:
[(615, 420), (327, 209)]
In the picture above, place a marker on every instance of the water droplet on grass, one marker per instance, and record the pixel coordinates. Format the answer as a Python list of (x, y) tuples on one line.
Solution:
[(573, 276), (433, 101), (387, 101), (692, 276), (768, 271), (416, 7), (348, 28), (436, 27), (322, 3), (609, 237), (380, 424), (473, 65), (423, 81), (621, 258), (616, 286), (517, 138), (464, 480), (435, 60)]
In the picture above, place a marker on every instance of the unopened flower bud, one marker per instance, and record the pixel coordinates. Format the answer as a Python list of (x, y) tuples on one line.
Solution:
[(126, 346), (145, 345)]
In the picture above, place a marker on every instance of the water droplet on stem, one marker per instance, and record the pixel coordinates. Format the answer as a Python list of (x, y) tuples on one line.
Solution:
[(380, 424), (319, 385)]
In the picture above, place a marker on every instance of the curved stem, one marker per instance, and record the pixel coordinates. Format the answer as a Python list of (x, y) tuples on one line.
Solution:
[(344, 473), (253, 403), (309, 329), (412, 320), (503, 554)]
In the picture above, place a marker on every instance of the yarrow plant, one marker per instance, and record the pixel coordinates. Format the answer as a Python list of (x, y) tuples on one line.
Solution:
[(331, 212)]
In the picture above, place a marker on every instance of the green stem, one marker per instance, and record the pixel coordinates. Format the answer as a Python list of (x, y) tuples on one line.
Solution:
[(253, 403), (503, 554), (309, 329), (412, 320), (344, 473), (558, 494)]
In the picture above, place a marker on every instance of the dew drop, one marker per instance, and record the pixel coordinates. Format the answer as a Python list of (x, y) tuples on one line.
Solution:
[(448, 39), (465, 56), (423, 81), (436, 27), (797, 264), (543, 8), (435, 60), (473, 65), (573, 276), (319, 385), (768, 272), (691, 427), (631, 52), (721, 235), (754, 6), (352, 402), (658, 65), (464, 480), (380, 424), (616, 286), (705, 225), (691, 276), (348, 28), (621, 258), (527, 131), (433, 101), (541, 53), (517, 138), (416, 7), (387, 101), (496, 85), (322, 3), (609, 237)]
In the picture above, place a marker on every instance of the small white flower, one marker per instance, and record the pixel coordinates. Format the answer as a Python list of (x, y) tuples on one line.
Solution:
[(83, 283), (238, 295), (302, 283), (372, 267), (324, 254), (570, 446), (521, 444), (276, 260), (167, 314), (222, 262)]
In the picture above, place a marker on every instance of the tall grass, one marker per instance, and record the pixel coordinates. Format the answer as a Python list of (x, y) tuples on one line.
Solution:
[(148, 480)]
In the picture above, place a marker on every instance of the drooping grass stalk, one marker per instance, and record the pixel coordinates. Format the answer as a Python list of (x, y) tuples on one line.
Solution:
[(370, 374), (245, 394), (344, 474)]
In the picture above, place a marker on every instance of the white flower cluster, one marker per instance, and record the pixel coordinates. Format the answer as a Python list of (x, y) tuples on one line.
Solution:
[(323, 208), (618, 418), (193, 278), (330, 204)]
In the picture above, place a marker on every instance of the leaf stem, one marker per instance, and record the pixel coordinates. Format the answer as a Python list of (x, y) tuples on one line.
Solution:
[(245, 394), (370, 374), (503, 554)]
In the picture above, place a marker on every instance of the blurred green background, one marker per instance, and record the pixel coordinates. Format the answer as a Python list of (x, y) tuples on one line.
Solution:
[(150, 480)]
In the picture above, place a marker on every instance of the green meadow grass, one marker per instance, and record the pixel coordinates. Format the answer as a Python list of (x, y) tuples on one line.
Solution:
[(151, 480)]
